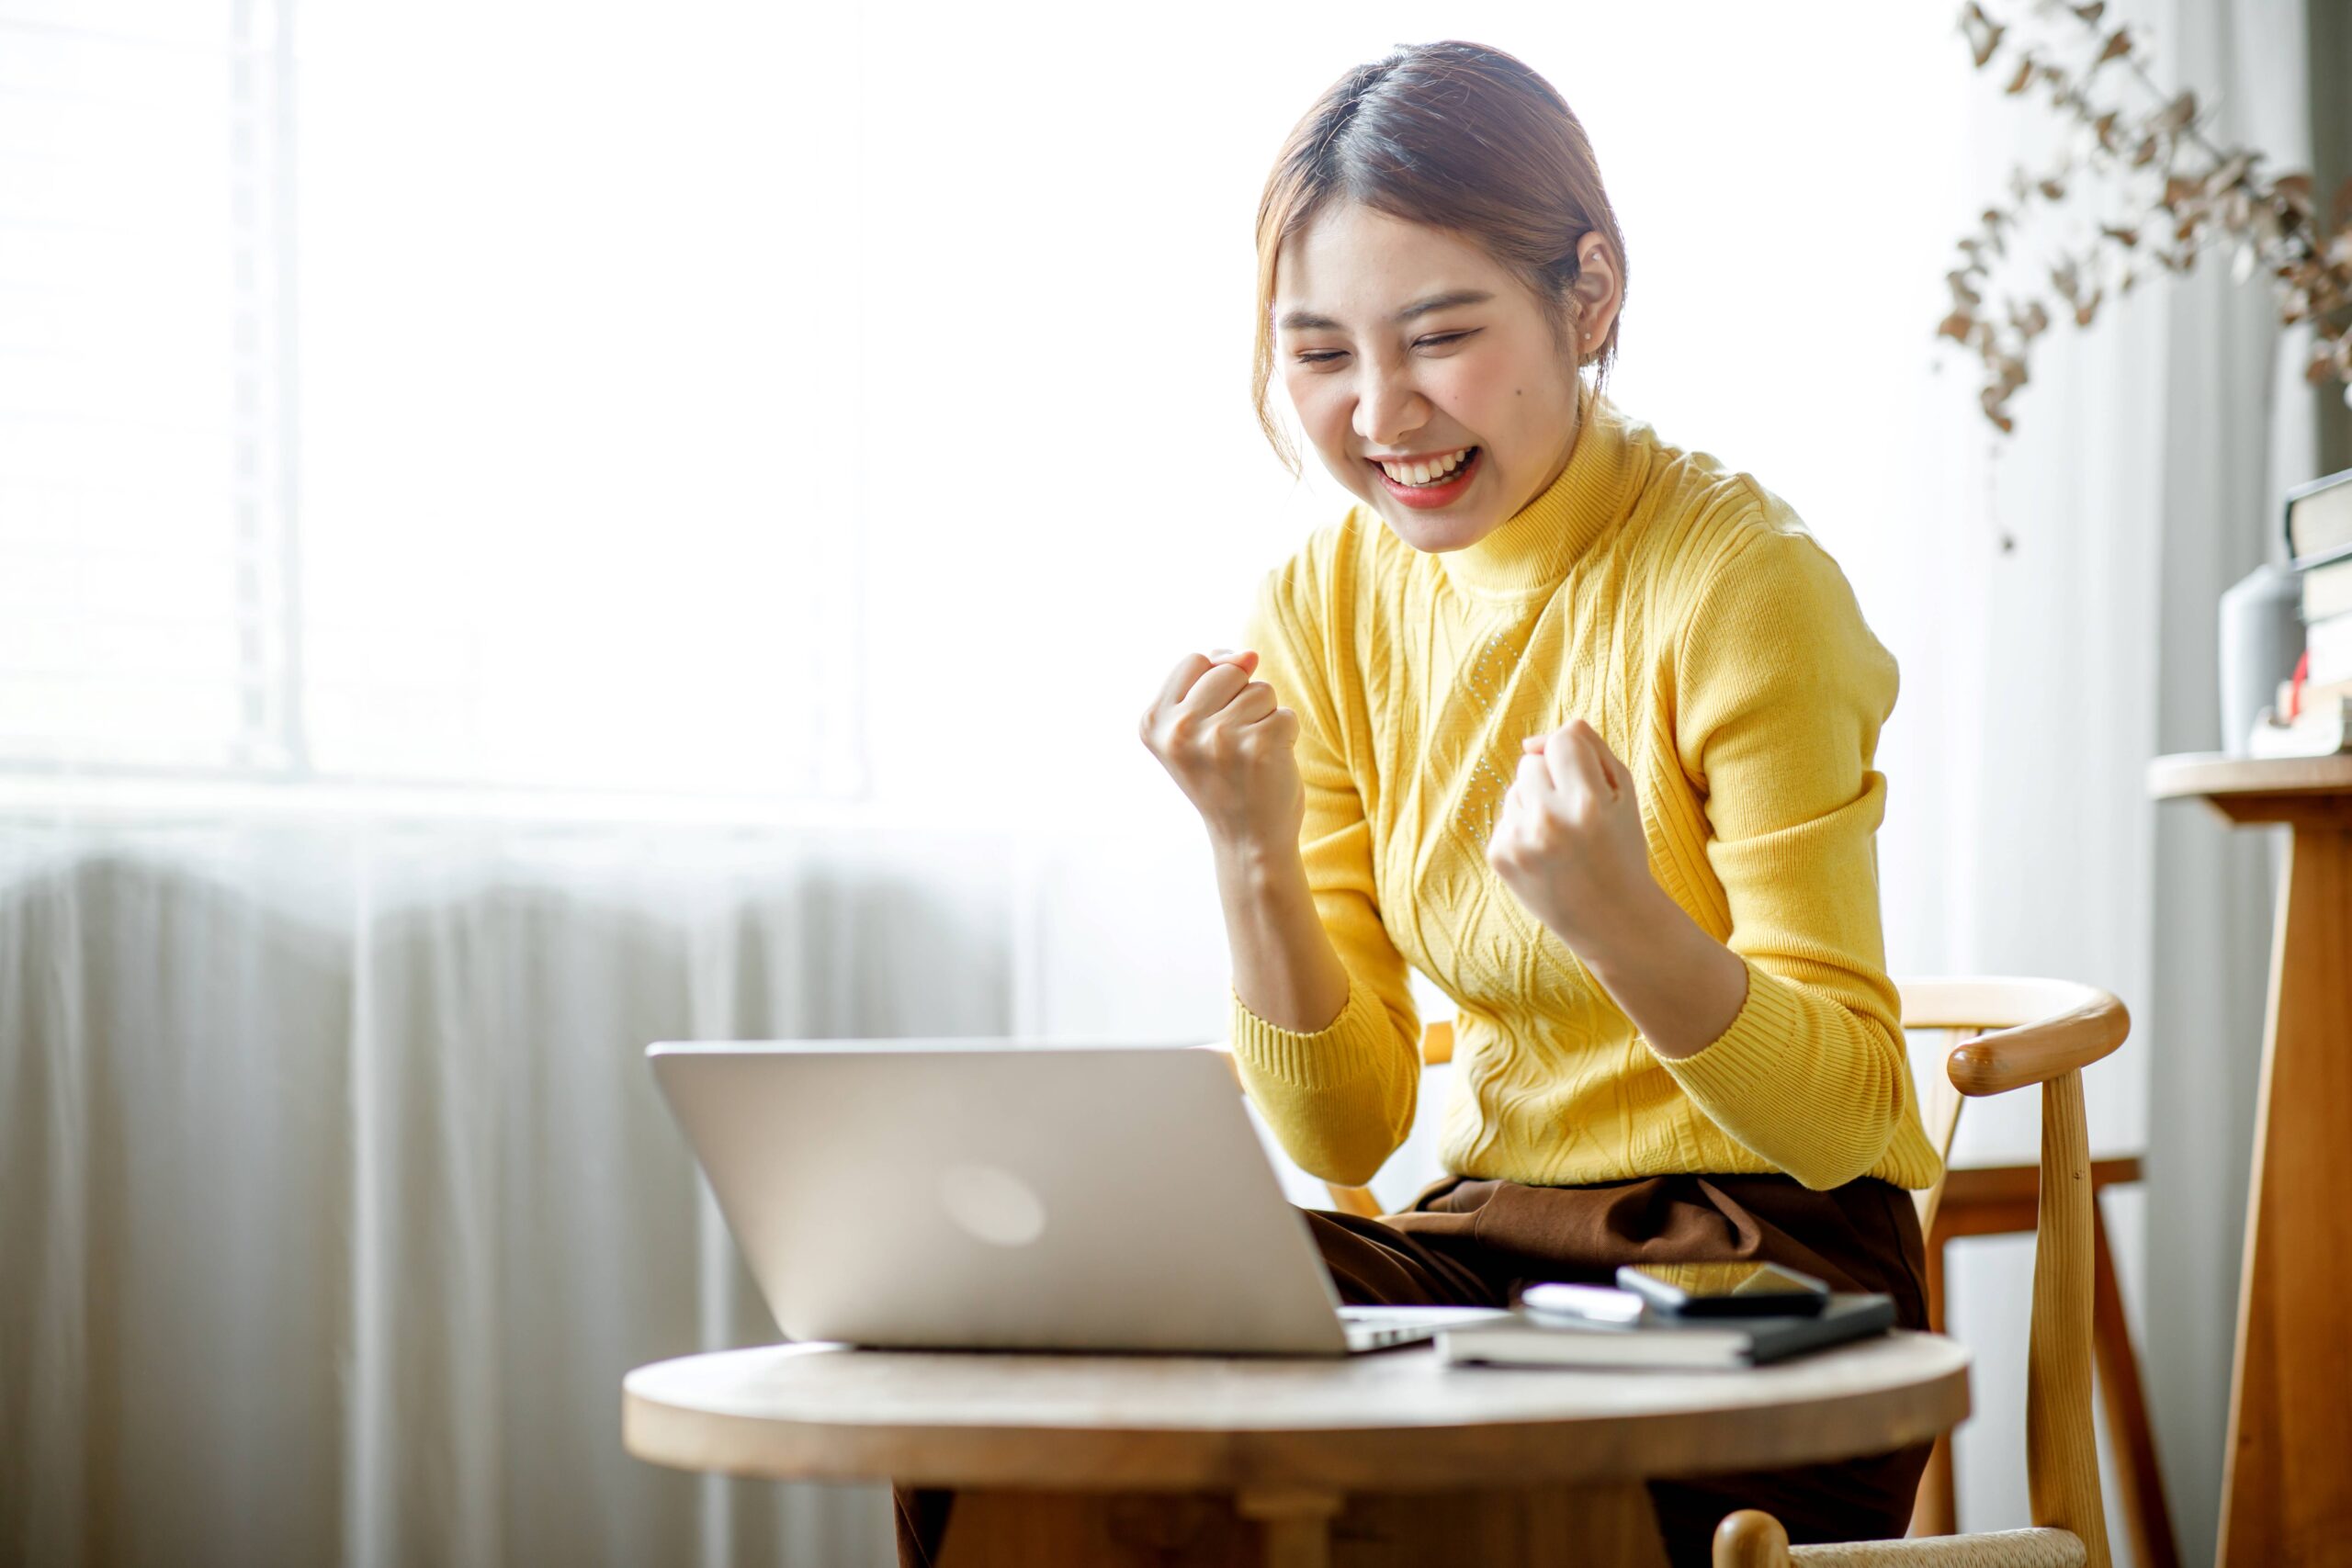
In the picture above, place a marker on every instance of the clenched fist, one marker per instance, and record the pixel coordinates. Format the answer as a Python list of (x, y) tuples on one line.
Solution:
[(1229, 746), (1569, 841)]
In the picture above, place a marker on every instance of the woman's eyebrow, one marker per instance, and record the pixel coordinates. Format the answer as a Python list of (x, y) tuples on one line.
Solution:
[(1309, 321), (1444, 301)]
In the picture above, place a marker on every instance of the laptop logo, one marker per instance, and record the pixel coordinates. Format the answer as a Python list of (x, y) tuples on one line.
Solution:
[(991, 1205)]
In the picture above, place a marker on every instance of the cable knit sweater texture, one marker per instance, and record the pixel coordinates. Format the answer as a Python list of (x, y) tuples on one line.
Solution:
[(1685, 613)]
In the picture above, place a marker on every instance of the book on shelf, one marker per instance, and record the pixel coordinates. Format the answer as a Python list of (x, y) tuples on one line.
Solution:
[(1658, 1340), (2326, 589), (2319, 544), (2319, 521)]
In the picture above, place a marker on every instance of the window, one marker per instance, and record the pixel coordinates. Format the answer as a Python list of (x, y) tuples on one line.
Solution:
[(578, 472), (145, 617)]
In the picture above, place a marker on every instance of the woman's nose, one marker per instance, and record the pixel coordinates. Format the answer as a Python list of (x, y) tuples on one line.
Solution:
[(1388, 409)]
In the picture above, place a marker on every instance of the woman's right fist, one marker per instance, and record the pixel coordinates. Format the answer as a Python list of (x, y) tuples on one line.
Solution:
[(1229, 747)]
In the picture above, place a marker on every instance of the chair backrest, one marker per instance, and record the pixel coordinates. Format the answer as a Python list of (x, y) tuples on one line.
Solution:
[(1940, 1102)]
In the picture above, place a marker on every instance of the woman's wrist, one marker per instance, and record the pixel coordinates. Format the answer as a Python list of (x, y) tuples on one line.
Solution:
[(1284, 969), (1680, 987), (1251, 859), (1650, 932)]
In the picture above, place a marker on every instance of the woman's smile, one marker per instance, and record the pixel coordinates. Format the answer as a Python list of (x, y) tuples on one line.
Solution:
[(1428, 481)]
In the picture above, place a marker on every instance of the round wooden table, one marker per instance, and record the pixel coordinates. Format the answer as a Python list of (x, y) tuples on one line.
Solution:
[(1389, 1458)]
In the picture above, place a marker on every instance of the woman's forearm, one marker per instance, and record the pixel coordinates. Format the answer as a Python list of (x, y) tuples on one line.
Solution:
[(1284, 967), (1680, 987)]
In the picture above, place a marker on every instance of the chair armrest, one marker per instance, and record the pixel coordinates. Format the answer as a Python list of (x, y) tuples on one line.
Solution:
[(2094, 1025)]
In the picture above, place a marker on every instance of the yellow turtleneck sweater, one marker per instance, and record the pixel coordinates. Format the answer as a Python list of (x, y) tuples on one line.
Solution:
[(1684, 613)]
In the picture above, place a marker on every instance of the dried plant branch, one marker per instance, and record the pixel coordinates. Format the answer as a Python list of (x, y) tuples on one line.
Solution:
[(2197, 195)]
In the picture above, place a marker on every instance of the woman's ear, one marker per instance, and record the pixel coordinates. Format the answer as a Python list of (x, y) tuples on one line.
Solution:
[(1596, 294)]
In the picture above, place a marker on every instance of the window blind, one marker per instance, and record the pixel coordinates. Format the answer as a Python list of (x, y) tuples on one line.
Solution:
[(145, 554)]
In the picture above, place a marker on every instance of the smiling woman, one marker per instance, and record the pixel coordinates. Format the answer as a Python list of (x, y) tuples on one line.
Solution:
[(1580, 724)]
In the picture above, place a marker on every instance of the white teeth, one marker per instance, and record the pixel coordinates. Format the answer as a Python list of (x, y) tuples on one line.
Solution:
[(1425, 473)]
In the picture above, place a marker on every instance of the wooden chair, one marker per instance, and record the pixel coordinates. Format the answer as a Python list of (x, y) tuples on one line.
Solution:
[(2009, 1033)]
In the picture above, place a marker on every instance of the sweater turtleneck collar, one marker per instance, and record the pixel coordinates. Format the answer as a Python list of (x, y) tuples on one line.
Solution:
[(1534, 549)]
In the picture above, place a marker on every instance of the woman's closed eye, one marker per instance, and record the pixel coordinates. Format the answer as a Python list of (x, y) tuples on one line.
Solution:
[(1435, 341)]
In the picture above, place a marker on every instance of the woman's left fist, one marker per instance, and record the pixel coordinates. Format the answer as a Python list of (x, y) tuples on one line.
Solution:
[(1569, 841)]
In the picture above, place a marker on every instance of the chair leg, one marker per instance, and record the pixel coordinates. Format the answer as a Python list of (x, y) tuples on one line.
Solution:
[(2145, 1512), (1935, 1510), (2123, 1399)]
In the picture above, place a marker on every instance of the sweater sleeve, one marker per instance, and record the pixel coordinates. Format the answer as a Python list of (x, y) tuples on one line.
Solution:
[(1341, 1098), (1782, 691)]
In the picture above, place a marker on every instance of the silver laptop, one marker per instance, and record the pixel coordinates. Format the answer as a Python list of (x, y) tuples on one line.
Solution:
[(987, 1194)]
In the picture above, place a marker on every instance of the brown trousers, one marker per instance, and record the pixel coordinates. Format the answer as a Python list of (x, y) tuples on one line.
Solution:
[(1466, 1243)]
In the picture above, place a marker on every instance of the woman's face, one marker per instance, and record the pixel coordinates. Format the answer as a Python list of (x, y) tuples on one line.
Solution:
[(1409, 344)]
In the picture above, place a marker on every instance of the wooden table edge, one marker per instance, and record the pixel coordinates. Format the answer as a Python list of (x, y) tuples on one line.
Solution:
[(2196, 774), (1589, 1449)]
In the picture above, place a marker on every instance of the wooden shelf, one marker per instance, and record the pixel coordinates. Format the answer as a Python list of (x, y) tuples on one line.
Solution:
[(2312, 790)]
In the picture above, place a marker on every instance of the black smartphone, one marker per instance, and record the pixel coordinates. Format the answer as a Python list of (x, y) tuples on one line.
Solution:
[(1726, 1290)]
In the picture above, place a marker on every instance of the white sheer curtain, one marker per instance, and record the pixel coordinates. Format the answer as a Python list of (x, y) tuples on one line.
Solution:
[(847, 404), (335, 1199)]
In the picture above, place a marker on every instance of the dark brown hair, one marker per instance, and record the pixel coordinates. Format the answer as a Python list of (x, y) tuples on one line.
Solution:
[(1457, 136)]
